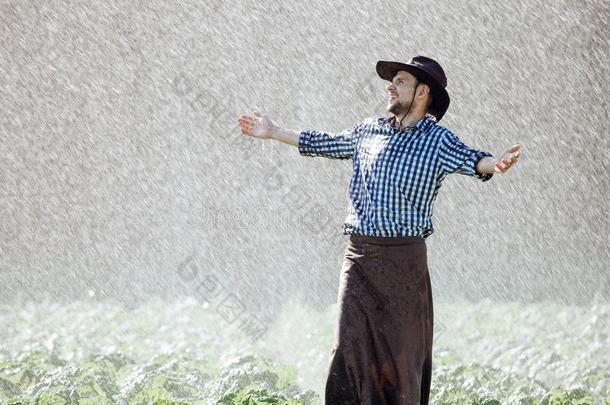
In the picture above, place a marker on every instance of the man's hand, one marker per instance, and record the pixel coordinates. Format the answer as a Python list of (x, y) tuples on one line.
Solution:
[(489, 164), (507, 159), (257, 125)]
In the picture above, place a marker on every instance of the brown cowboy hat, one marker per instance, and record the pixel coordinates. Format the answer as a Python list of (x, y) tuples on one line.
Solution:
[(427, 71)]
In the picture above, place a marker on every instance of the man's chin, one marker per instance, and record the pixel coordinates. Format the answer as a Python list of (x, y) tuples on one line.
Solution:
[(393, 108)]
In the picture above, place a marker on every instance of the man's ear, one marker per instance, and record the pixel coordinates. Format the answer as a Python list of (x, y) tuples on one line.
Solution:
[(425, 89)]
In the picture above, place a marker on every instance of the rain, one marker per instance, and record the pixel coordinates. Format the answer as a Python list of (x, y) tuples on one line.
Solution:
[(151, 253)]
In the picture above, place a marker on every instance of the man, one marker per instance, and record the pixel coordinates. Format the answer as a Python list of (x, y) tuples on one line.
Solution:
[(382, 352)]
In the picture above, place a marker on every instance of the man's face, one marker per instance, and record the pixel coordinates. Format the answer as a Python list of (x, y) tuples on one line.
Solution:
[(400, 92)]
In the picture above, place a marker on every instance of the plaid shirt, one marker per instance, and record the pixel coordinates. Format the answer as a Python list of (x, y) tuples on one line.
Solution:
[(396, 174)]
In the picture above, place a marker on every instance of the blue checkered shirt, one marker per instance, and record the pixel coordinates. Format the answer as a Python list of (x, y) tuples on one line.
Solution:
[(396, 173)]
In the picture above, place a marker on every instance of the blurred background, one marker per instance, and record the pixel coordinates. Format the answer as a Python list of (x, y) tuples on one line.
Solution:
[(121, 164)]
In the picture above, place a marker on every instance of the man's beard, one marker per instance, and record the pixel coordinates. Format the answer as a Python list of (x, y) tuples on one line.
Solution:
[(397, 108)]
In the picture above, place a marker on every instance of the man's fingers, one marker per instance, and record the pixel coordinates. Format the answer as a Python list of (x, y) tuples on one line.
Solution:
[(506, 163), (245, 123), (510, 157), (513, 149), (246, 118), (503, 165), (510, 160), (248, 131), (248, 127), (251, 115)]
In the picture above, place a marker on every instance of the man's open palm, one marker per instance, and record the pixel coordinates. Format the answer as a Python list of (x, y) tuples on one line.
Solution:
[(508, 158), (256, 125)]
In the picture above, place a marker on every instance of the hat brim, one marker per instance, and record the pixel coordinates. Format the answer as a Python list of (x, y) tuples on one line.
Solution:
[(440, 98)]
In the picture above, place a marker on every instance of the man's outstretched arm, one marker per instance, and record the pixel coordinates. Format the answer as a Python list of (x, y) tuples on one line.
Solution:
[(457, 157), (309, 142)]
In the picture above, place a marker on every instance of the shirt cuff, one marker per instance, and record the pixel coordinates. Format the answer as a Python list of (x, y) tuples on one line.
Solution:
[(305, 148)]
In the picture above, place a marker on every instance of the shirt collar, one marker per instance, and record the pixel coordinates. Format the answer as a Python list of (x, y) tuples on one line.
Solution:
[(423, 124)]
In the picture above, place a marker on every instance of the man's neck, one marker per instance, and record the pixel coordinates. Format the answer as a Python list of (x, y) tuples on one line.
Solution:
[(408, 121)]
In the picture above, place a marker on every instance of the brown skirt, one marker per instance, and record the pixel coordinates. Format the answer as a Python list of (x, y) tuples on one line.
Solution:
[(382, 353)]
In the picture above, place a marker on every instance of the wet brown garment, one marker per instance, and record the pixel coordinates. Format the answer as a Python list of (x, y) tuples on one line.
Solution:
[(382, 353)]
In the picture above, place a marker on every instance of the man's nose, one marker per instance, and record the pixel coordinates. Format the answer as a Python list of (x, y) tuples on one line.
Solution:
[(390, 87)]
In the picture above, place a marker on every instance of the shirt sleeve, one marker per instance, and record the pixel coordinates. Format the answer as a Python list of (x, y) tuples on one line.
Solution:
[(330, 145), (456, 157)]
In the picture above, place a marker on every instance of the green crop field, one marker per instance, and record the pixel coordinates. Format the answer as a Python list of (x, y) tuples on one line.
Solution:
[(184, 353)]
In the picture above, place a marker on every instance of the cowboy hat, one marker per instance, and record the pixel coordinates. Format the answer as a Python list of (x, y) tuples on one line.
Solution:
[(427, 71)]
